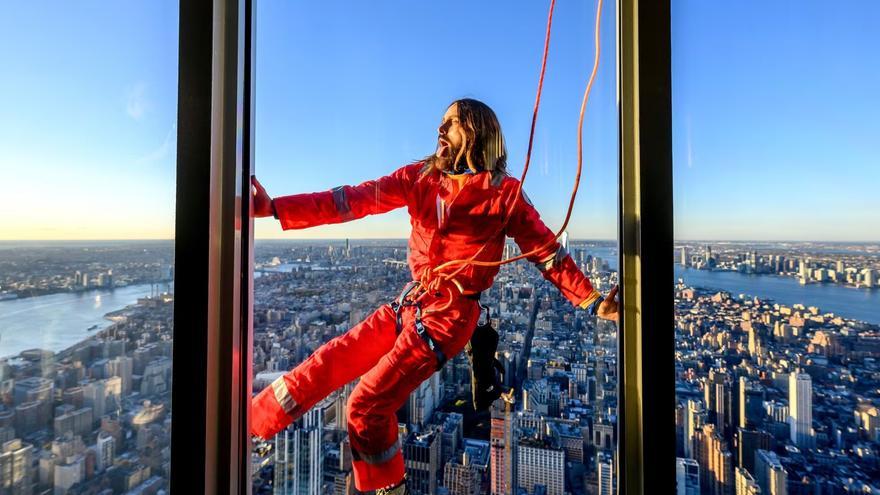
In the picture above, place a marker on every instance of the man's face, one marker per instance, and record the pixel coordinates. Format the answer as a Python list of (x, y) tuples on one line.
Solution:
[(451, 138)]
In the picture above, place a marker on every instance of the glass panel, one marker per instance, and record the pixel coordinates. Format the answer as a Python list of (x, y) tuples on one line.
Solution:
[(351, 95), (776, 258), (86, 246)]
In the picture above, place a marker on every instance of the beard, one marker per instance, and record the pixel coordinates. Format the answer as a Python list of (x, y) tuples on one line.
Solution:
[(445, 158)]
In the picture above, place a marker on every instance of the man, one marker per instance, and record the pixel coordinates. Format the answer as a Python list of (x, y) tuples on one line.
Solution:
[(457, 199)]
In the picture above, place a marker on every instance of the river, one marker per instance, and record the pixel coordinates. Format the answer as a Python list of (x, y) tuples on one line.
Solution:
[(848, 302), (58, 321)]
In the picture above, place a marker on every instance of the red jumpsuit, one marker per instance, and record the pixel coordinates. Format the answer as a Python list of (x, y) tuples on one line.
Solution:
[(449, 221)]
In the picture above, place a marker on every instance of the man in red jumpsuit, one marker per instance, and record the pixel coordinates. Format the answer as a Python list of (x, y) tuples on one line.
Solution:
[(457, 199)]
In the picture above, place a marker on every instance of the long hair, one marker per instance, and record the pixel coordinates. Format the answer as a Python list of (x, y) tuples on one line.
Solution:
[(485, 149)]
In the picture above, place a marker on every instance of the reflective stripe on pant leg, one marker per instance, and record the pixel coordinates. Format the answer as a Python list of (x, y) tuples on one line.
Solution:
[(374, 476), (379, 458), (372, 422), (332, 365)]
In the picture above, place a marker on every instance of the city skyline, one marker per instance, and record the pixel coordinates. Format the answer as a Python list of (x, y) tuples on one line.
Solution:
[(775, 325), (101, 125), (766, 386)]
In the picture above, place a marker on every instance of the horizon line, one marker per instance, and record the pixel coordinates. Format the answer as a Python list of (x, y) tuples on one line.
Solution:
[(318, 239)]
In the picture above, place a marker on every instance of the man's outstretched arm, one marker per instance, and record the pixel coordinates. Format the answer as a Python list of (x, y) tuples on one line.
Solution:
[(529, 232), (340, 204)]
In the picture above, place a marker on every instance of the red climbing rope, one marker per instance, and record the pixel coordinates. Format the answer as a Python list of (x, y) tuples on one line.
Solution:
[(435, 279)]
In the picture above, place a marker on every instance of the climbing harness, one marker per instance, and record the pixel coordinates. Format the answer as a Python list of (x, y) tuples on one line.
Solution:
[(406, 299), (397, 306)]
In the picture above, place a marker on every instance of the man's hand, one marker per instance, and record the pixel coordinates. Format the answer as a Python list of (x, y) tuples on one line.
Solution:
[(607, 309), (262, 200)]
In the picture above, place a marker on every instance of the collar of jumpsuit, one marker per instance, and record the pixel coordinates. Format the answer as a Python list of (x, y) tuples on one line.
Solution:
[(455, 182)]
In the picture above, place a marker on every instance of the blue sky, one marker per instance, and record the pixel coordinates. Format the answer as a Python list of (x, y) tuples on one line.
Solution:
[(87, 115), (775, 127), (387, 72), (775, 123)]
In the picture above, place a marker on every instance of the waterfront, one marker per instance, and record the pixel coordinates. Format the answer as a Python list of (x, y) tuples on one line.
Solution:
[(848, 302), (58, 321)]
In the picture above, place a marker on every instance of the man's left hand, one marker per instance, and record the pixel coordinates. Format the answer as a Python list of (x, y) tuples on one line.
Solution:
[(607, 309)]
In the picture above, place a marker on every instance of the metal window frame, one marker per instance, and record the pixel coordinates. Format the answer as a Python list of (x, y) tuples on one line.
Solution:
[(646, 427), (214, 240), (213, 229)]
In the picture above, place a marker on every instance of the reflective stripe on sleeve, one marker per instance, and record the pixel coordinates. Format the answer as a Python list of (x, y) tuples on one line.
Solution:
[(590, 299), (553, 260), (282, 395), (341, 202)]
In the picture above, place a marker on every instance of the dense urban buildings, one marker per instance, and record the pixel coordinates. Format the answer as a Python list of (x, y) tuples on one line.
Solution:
[(91, 413), (559, 436), (773, 397), (855, 265)]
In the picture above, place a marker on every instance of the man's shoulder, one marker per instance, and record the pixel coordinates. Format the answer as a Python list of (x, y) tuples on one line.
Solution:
[(411, 170), (510, 184), (506, 181)]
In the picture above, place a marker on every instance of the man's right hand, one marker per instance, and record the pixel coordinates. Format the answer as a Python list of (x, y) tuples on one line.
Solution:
[(262, 200), (608, 308)]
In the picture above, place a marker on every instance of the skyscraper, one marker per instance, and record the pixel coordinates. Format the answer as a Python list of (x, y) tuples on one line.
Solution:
[(719, 398), (749, 440), (687, 477), (421, 453), (751, 403), (605, 476), (770, 474), (803, 272), (538, 464), (423, 400), (694, 420), (800, 401), (684, 256), (500, 465), (461, 477), (106, 450), (745, 483), (298, 456), (16, 468), (716, 462)]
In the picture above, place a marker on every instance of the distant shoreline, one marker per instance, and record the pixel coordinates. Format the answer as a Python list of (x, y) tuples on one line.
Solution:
[(68, 351), (326, 239), (50, 292)]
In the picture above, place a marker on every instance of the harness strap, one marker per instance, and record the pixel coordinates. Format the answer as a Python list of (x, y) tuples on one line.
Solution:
[(421, 331)]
